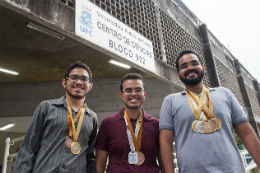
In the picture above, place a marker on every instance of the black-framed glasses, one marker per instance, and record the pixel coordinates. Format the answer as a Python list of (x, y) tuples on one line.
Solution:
[(75, 78), (130, 90), (186, 65)]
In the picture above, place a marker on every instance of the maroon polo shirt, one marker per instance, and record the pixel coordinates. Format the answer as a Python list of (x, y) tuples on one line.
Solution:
[(112, 137)]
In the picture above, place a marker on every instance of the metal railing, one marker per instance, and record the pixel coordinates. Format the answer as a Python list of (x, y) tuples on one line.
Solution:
[(7, 155), (248, 162), (176, 169)]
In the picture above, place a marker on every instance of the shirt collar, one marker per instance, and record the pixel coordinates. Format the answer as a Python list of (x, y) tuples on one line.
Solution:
[(62, 101), (121, 114), (184, 93)]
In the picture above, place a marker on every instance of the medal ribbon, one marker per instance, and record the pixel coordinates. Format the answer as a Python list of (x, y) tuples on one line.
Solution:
[(203, 117), (195, 112), (195, 100), (211, 109), (136, 140), (207, 109), (71, 122)]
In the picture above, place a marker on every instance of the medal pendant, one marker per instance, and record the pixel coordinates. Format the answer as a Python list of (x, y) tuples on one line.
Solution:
[(194, 123), (199, 127), (141, 158), (214, 125), (75, 148), (206, 127), (68, 142), (132, 157), (218, 122)]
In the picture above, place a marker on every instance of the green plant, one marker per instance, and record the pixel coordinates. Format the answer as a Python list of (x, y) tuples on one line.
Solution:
[(239, 142), (254, 170)]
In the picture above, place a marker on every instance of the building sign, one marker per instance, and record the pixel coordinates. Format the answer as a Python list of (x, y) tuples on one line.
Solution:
[(102, 29)]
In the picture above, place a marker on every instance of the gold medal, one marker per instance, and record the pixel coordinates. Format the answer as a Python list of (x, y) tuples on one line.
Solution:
[(68, 142), (74, 145), (194, 124), (206, 127), (210, 126), (208, 123), (141, 158), (75, 148)]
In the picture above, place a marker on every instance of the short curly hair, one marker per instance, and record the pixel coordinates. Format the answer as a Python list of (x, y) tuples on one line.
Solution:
[(78, 64)]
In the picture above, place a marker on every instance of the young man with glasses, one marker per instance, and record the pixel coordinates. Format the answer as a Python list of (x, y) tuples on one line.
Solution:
[(202, 120), (131, 137), (62, 132)]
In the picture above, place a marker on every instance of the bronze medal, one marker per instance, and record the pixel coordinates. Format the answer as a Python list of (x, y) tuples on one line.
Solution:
[(75, 148), (141, 158), (206, 127), (218, 122), (68, 142), (213, 125)]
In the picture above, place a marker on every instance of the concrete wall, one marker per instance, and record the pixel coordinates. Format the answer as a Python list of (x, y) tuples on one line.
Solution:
[(20, 99), (182, 15)]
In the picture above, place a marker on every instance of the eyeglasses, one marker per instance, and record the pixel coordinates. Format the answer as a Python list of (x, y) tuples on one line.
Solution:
[(75, 78), (186, 65), (130, 90)]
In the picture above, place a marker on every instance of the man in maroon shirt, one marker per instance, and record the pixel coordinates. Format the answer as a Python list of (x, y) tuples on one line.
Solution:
[(131, 137)]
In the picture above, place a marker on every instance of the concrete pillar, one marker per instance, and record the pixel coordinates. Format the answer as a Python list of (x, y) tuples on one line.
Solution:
[(256, 86), (246, 97), (160, 32), (209, 56)]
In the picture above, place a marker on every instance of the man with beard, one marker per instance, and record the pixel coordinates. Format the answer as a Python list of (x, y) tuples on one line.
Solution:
[(131, 137), (201, 120), (62, 132)]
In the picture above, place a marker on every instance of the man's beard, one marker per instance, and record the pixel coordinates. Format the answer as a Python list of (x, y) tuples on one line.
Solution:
[(77, 97), (132, 107), (192, 81)]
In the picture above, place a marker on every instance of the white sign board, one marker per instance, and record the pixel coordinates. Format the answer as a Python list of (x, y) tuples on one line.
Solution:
[(102, 29)]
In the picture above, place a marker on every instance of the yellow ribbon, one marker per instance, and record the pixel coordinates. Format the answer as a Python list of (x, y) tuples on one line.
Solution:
[(69, 115), (137, 142), (208, 110)]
